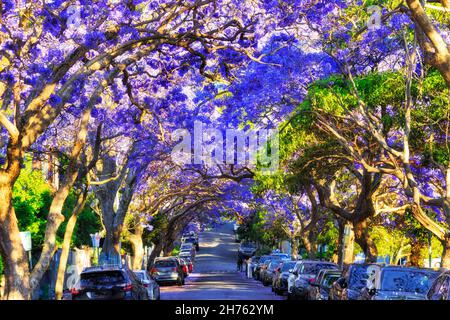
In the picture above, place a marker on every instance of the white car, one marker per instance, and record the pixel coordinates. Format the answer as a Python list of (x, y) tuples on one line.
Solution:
[(149, 283)]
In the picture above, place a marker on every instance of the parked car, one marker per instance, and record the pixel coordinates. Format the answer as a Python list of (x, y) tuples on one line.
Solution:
[(270, 272), (440, 289), (150, 283), (185, 267), (264, 267), (187, 255), (400, 283), (188, 247), (168, 270), (193, 240), (319, 289), (307, 272), (353, 281), (259, 264), (279, 284), (109, 283), (247, 249)]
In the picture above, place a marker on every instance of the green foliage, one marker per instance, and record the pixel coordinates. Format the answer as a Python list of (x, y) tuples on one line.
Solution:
[(88, 222), (31, 199)]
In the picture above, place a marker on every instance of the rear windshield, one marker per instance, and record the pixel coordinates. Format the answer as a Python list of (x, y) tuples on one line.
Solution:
[(101, 278), (165, 264), (314, 268), (407, 281), (140, 275)]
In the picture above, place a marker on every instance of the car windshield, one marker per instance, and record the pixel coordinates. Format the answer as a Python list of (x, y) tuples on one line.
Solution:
[(359, 274), (329, 279), (140, 274), (415, 281), (165, 264), (287, 266), (101, 278), (314, 268)]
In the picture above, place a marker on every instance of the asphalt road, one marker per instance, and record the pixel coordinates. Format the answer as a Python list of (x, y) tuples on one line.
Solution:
[(215, 276)]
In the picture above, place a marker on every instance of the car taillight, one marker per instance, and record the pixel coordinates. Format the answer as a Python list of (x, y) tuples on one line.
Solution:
[(128, 287), (154, 270), (74, 291), (174, 269)]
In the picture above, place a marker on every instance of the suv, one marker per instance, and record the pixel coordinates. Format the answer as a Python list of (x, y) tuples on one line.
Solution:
[(400, 283), (305, 272), (168, 269), (109, 283)]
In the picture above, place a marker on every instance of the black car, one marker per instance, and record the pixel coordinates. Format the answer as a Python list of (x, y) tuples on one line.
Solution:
[(305, 274), (319, 288), (400, 283), (440, 290), (109, 283), (259, 264), (267, 277), (280, 284)]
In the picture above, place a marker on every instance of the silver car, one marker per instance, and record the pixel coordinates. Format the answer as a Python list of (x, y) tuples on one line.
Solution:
[(150, 283)]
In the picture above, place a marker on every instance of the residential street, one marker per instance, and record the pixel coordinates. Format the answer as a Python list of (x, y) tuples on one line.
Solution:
[(215, 276)]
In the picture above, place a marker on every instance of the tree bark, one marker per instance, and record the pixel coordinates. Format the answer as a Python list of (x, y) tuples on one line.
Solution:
[(59, 287), (445, 263), (364, 240), (15, 261), (416, 258), (137, 246)]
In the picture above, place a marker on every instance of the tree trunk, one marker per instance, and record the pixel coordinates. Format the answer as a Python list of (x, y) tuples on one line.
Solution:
[(364, 240), (416, 258), (59, 286), (15, 261), (137, 247), (155, 253), (310, 246), (294, 248), (348, 246), (445, 263)]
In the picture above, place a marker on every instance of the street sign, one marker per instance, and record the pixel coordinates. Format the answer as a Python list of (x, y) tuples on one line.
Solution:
[(26, 240)]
